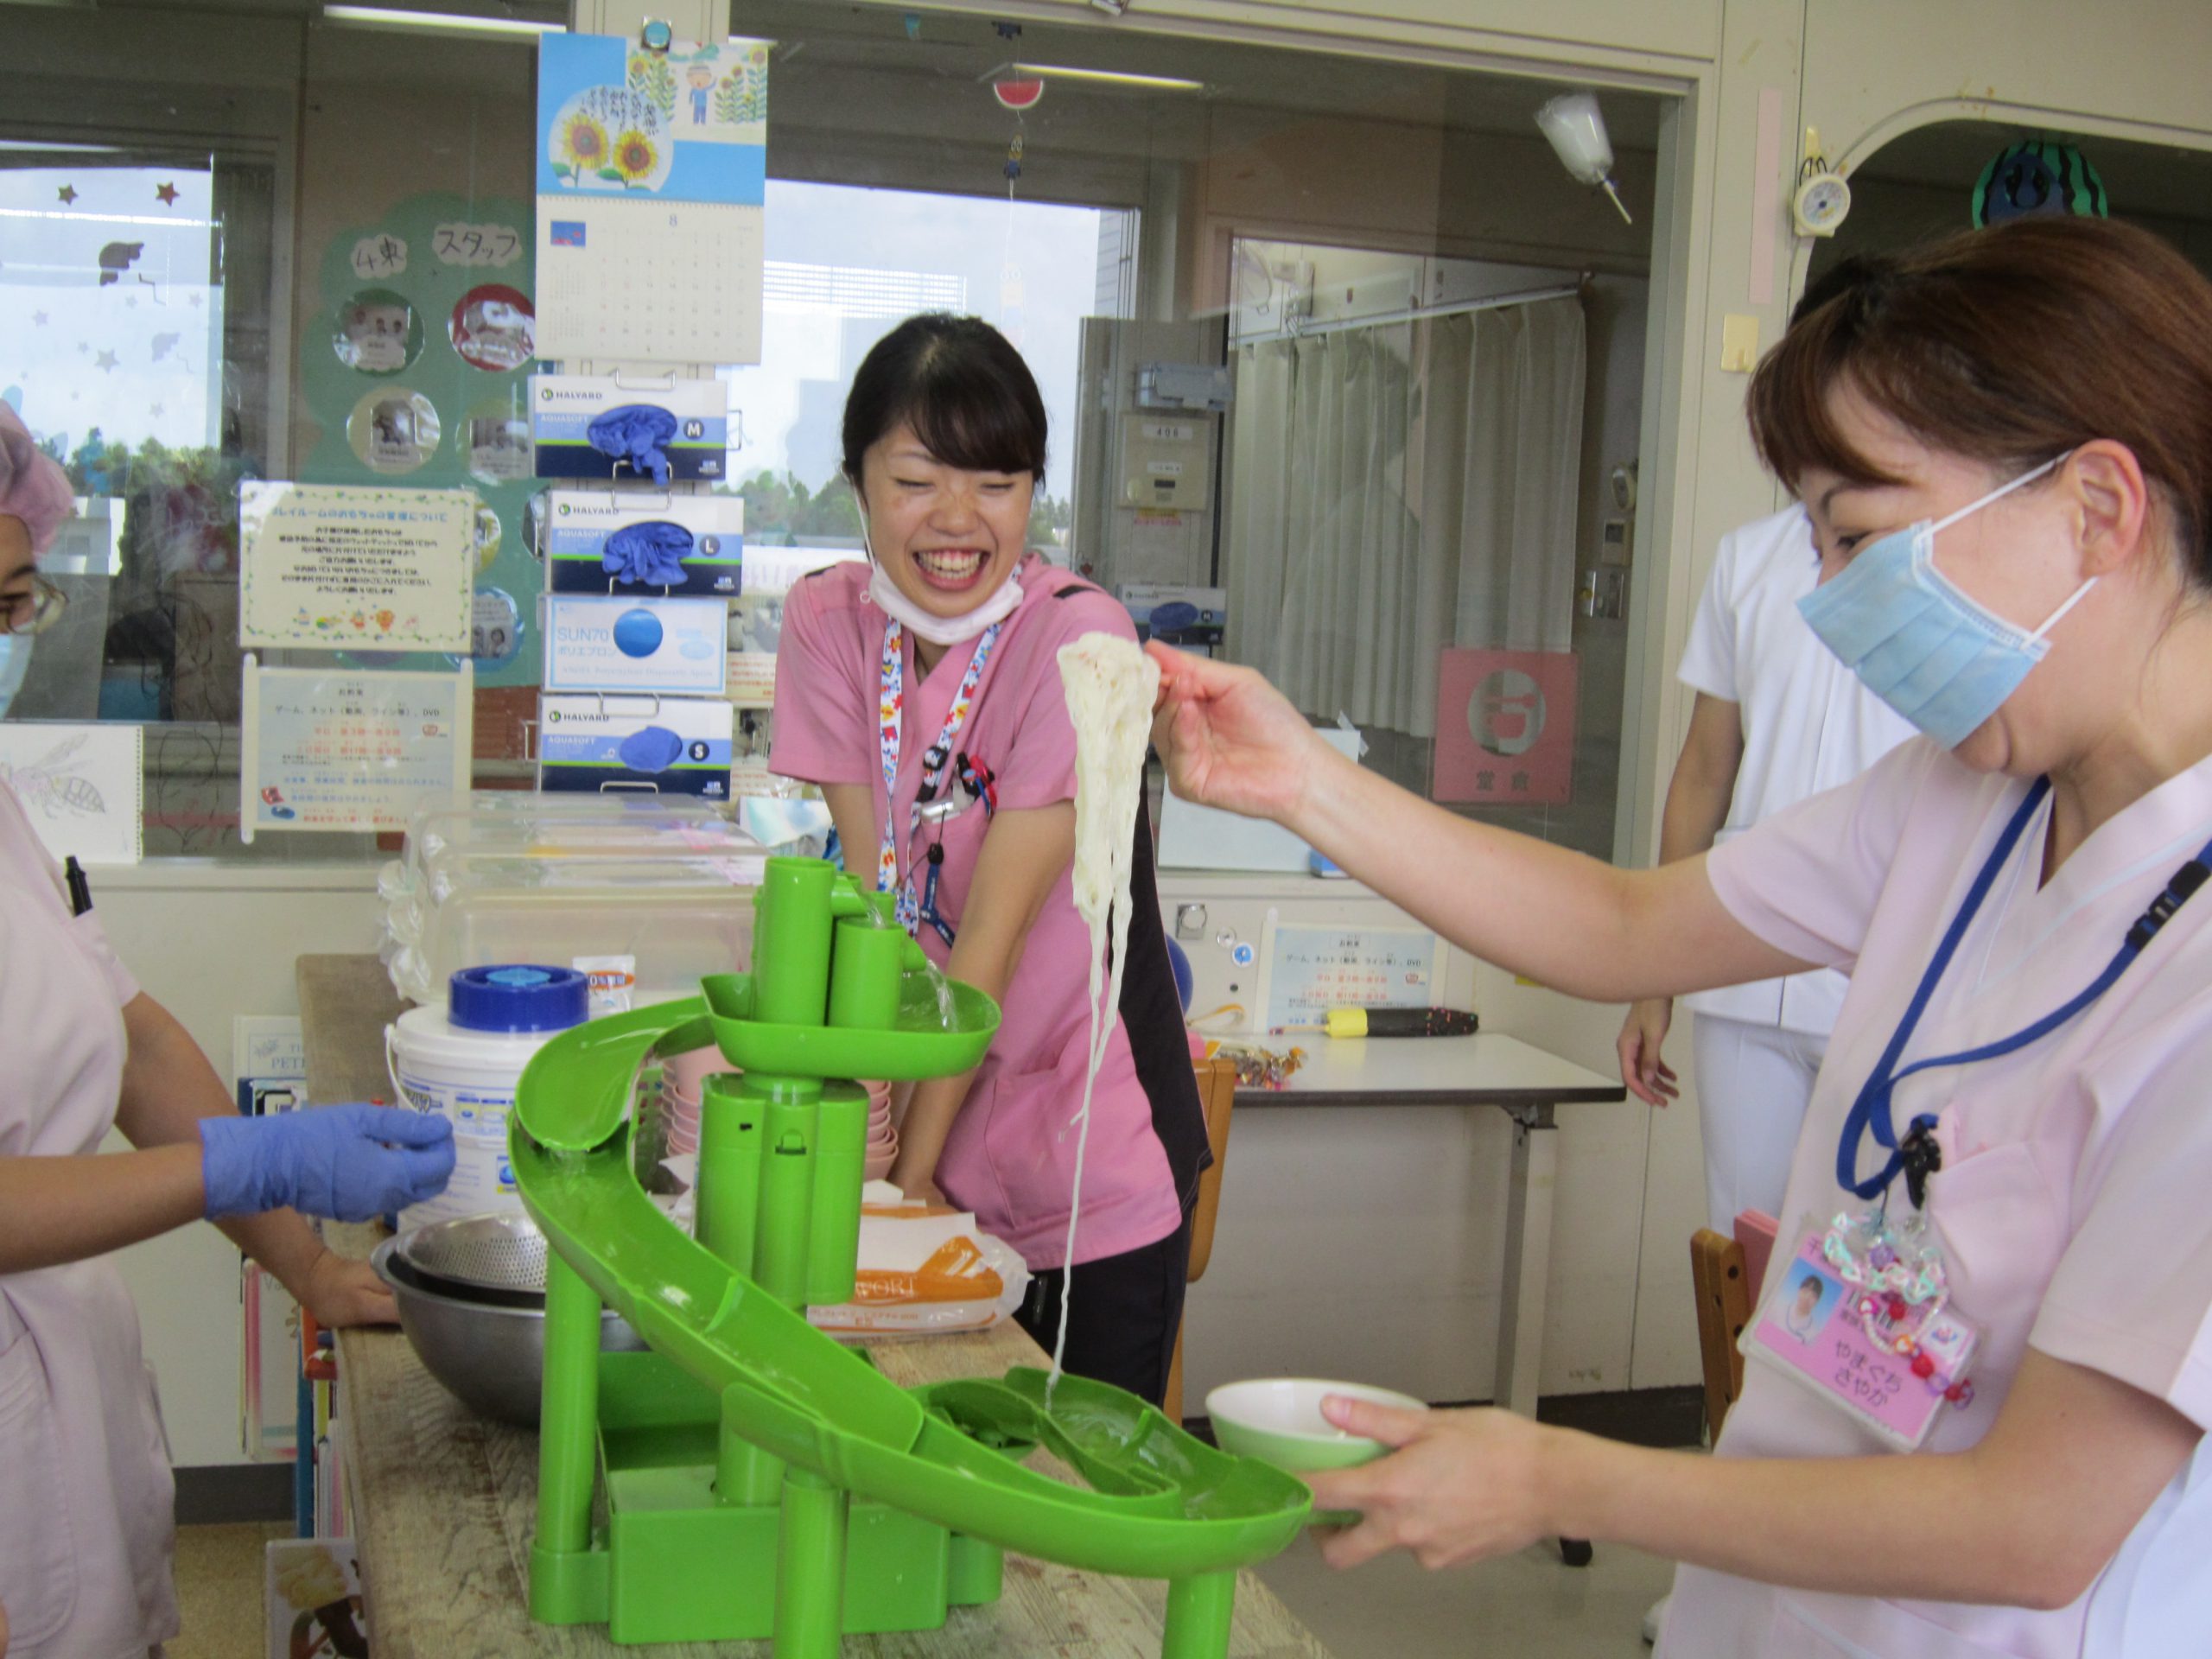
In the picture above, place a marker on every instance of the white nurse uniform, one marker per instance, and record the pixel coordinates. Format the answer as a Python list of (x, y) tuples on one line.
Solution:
[(86, 1500), (2071, 1202), (1808, 724)]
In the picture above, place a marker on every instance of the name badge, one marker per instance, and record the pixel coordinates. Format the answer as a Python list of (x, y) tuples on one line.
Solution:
[(1862, 1317)]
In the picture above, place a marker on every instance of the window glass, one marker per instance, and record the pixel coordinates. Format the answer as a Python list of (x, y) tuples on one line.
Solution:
[(1287, 426), (843, 267)]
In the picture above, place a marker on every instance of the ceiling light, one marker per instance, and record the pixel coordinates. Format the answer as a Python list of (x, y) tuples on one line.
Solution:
[(1111, 78), (442, 22)]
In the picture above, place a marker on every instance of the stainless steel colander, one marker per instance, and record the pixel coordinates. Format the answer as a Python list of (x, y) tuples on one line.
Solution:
[(499, 1252), (472, 1300)]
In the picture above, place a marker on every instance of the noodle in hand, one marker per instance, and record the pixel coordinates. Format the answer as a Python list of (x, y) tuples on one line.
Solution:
[(1110, 684)]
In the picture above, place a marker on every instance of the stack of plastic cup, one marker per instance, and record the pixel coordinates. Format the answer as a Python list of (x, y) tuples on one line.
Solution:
[(882, 1138), (681, 1084), (683, 1079)]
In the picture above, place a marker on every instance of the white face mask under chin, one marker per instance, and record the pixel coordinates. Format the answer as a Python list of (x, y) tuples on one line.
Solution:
[(887, 596)]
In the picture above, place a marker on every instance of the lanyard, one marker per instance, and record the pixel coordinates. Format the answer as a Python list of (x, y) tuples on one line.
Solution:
[(892, 719), (1871, 1112)]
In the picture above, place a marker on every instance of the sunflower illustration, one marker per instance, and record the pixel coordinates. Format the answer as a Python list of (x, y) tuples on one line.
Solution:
[(635, 157), (583, 144)]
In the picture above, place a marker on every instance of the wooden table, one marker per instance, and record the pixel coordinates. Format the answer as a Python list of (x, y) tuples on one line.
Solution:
[(444, 1502), (1485, 1069)]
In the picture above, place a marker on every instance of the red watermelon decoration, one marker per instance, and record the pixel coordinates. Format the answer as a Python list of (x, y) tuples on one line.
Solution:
[(1018, 94)]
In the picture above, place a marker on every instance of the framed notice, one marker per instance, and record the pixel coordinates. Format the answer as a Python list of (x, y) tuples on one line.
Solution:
[(1504, 728), (345, 750), (335, 568), (1314, 967)]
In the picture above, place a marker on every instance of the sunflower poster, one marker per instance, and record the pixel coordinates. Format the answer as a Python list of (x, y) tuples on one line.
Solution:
[(651, 174)]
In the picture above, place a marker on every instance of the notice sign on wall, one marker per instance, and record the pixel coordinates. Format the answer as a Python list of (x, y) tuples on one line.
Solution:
[(1504, 728), (333, 750), (332, 568)]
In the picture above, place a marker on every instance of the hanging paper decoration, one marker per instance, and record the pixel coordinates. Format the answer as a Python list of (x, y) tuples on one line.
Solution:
[(1018, 94), (2039, 176)]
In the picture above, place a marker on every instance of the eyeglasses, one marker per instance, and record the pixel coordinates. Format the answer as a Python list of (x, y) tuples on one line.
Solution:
[(34, 611)]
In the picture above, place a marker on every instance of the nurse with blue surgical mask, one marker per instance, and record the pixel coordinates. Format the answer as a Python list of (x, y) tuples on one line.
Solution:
[(2003, 1169), (86, 1501)]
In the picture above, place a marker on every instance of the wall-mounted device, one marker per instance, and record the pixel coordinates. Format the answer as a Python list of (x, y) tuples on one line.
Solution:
[(1617, 541), (1823, 199), (1576, 128), (1185, 386), (1166, 461)]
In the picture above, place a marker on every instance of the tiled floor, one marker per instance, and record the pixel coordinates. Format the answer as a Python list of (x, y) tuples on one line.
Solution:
[(1527, 1605), (218, 1586)]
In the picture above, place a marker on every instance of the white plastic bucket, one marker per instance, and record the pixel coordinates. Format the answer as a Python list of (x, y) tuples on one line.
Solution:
[(469, 1078)]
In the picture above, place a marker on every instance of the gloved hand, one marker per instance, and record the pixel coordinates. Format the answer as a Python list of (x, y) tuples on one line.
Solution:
[(635, 433), (650, 553), (351, 1163)]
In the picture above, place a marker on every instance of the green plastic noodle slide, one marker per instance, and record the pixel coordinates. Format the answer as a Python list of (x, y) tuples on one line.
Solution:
[(820, 1476)]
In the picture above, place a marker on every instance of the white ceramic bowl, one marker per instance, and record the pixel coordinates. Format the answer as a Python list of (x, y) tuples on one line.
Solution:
[(1278, 1420)]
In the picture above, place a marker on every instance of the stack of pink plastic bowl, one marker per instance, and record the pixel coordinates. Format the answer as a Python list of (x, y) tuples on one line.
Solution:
[(683, 1079), (882, 1138)]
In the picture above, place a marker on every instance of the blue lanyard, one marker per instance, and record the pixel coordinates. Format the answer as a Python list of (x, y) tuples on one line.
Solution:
[(1871, 1112)]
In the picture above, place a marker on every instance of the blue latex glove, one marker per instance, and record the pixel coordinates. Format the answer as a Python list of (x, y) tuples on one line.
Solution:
[(635, 433), (351, 1163), (652, 553)]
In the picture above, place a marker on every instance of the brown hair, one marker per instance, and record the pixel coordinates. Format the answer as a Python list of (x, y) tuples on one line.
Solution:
[(2009, 346)]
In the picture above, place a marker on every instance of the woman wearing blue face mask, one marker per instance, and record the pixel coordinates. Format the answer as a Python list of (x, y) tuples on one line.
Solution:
[(1991, 1441), (86, 1501)]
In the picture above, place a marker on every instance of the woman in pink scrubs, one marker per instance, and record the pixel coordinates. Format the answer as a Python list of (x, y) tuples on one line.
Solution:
[(2012, 434), (86, 1523), (921, 690)]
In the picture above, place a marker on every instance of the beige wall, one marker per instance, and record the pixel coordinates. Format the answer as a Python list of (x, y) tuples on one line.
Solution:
[(208, 952)]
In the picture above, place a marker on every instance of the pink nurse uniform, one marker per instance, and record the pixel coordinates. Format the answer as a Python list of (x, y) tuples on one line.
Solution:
[(2074, 1199), (1011, 1156), (86, 1501)]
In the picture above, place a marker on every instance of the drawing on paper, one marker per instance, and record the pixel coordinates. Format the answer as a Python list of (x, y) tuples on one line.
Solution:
[(80, 785), (54, 785)]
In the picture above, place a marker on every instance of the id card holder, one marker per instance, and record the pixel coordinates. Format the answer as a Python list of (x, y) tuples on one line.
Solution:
[(1888, 1362)]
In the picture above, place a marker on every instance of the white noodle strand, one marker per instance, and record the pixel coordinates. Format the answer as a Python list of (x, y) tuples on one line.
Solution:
[(1110, 684)]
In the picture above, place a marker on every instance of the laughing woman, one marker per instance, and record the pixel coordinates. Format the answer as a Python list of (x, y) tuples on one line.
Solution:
[(922, 692)]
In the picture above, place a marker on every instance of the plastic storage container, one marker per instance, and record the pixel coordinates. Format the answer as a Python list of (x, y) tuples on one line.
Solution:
[(463, 1062), (681, 918), (515, 824)]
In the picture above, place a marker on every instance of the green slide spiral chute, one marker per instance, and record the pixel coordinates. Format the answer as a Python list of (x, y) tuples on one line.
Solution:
[(806, 1424)]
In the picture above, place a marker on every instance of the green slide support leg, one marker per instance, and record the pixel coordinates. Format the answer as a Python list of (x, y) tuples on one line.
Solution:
[(1199, 1613), (568, 1448), (810, 1568)]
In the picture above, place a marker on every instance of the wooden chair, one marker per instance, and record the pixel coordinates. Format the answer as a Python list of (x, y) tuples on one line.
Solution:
[(1218, 1092), (1726, 1273)]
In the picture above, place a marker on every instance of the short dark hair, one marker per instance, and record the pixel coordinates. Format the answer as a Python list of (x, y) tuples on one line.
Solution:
[(960, 385), (1840, 277), (2009, 346)]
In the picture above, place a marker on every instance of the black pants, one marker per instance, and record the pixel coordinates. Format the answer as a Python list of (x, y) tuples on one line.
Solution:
[(1128, 1308)]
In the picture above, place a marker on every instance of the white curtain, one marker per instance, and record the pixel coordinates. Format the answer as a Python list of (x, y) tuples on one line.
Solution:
[(1397, 489)]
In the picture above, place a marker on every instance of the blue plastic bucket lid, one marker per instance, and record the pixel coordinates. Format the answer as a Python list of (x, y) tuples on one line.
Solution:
[(518, 996)]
